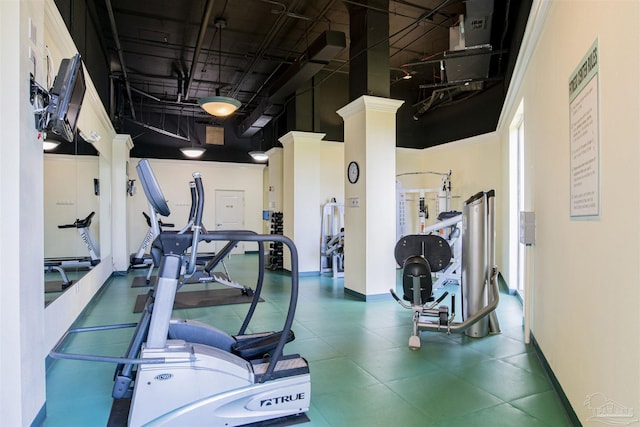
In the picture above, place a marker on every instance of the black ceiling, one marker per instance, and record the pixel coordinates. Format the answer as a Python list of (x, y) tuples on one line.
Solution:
[(151, 60)]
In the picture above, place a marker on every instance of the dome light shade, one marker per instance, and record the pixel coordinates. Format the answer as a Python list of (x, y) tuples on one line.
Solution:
[(193, 152), (259, 156), (49, 144), (219, 106)]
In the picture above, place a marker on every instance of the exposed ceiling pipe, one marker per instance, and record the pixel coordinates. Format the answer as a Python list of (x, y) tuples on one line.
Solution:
[(317, 19), (160, 131), (196, 53), (114, 30), (315, 58), (275, 28)]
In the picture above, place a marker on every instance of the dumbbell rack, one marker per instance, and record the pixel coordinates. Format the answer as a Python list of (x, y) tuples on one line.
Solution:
[(275, 252)]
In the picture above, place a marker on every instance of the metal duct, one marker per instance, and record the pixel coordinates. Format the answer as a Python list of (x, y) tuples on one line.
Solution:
[(326, 47), (472, 60)]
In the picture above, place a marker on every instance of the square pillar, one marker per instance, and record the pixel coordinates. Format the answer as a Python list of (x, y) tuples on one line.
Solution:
[(301, 188), (122, 145), (370, 214)]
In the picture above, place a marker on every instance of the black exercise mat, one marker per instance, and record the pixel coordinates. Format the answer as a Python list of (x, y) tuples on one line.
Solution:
[(120, 414), (54, 286), (141, 281), (205, 298)]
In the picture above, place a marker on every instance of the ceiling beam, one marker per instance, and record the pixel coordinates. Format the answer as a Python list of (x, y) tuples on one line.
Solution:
[(196, 53)]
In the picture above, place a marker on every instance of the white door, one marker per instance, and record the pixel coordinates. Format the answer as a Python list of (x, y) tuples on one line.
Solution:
[(230, 215)]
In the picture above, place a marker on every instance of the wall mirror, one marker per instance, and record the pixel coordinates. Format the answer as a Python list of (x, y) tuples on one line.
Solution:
[(71, 215)]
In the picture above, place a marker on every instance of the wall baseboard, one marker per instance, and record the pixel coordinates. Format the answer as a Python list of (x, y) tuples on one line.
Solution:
[(367, 298), (571, 415)]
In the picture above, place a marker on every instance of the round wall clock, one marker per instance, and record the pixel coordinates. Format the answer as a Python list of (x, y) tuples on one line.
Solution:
[(353, 172)]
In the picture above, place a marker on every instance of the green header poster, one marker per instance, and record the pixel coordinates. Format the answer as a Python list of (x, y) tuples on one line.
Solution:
[(585, 137)]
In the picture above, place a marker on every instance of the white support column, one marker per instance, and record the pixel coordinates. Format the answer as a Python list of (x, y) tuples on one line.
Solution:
[(370, 214), (122, 145), (301, 188), (22, 351)]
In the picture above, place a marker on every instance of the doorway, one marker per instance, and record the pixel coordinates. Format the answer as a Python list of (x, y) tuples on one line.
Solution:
[(230, 215)]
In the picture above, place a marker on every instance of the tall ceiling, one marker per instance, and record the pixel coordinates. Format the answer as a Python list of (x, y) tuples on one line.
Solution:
[(161, 56)]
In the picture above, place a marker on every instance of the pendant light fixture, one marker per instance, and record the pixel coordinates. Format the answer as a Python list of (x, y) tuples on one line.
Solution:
[(49, 144), (259, 156), (219, 106), (193, 151)]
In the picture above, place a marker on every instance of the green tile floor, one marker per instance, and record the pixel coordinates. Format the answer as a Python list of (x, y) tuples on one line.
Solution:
[(362, 372)]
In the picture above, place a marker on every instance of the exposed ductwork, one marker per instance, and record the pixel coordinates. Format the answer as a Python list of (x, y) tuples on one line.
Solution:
[(467, 63), (469, 56), (326, 47)]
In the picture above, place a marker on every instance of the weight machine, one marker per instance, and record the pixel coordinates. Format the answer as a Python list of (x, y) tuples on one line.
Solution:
[(332, 239), (403, 197), (422, 255)]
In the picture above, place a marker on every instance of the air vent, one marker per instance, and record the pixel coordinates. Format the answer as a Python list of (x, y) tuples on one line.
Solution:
[(214, 135)]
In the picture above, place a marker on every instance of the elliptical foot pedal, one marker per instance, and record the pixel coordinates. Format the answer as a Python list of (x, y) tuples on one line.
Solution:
[(288, 365)]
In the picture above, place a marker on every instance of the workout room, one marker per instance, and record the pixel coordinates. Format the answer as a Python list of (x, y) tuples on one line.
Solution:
[(437, 246)]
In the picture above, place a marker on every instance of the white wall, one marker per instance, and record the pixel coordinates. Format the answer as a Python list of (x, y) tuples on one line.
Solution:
[(585, 272), (174, 177), (22, 375), (332, 172), (26, 336)]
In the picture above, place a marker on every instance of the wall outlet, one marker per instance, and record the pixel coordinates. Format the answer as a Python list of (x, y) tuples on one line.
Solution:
[(354, 202)]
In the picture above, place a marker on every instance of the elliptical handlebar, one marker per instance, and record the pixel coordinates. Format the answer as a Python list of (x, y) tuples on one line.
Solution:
[(197, 225), (194, 200), (80, 223)]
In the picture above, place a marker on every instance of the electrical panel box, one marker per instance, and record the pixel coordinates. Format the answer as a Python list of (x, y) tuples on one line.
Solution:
[(527, 228)]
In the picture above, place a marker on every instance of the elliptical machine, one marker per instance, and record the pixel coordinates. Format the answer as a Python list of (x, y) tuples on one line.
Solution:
[(422, 255), (179, 372), (142, 258)]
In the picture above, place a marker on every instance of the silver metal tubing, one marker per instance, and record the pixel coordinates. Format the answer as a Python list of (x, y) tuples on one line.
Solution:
[(443, 224), (119, 360), (474, 261), (55, 353), (472, 320), (197, 227)]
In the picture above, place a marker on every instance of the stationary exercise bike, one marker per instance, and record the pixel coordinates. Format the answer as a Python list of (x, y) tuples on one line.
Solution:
[(184, 373), (61, 264)]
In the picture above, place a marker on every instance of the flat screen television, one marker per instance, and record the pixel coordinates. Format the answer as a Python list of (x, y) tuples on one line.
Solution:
[(66, 98)]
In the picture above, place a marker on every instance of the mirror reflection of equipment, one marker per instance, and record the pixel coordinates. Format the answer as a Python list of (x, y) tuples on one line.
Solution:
[(59, 107), (63, 264), (56, 112)]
